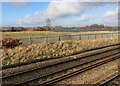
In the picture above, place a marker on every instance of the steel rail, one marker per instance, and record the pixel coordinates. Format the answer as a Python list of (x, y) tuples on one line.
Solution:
[(103, 83), (62, 77), (34, 69), (21, 83)]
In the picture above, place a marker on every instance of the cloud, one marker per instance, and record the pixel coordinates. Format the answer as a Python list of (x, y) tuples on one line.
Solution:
[(86, 18), (83, 19), (62, 9), (109, 14), (110, 17), (82, 0), (31, 20)]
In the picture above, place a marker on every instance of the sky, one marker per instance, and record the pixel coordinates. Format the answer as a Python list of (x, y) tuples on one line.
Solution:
[(61, 13)]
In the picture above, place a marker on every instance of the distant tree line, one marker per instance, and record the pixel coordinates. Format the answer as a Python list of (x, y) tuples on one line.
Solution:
[(44, 28), (92, 26), (18, 29)]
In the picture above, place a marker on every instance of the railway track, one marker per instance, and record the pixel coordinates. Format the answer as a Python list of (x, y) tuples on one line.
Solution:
[(57, 79), (109, 80), (36, 74)]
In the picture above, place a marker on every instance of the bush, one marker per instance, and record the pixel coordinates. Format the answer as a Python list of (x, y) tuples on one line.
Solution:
[(10, 42)]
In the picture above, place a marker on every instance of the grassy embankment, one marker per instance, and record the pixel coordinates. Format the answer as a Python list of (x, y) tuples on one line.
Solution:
[(62, 48)]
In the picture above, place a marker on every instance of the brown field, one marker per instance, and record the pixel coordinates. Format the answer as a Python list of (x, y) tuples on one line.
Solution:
[(43, 33)]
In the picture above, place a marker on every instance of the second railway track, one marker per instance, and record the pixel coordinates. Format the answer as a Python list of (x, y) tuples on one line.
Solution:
[(36, 74)]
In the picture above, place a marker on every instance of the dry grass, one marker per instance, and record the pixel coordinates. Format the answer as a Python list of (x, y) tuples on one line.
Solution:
[(62, 48)]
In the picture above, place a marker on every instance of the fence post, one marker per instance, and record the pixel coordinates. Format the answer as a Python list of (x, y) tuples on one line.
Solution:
[(70, 37), (30, 40), (95, 36), (87, 36), (100, 35), (79, 37), (59, 38)]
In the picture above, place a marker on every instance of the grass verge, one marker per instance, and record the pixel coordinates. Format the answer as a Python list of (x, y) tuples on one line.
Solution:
[(62, 48)]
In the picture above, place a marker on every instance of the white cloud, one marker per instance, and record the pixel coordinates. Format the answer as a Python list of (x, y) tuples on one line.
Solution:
[(56, 10), (109, 14), (110, 17), (83, 19), (86, 18), (83, 0), (31, 20), (62, 9)]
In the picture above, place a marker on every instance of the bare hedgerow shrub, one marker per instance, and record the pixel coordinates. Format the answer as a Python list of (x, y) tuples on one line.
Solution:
[(10, 42)]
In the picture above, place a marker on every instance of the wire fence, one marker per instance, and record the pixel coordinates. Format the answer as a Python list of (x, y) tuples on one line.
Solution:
[(51, 39)]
